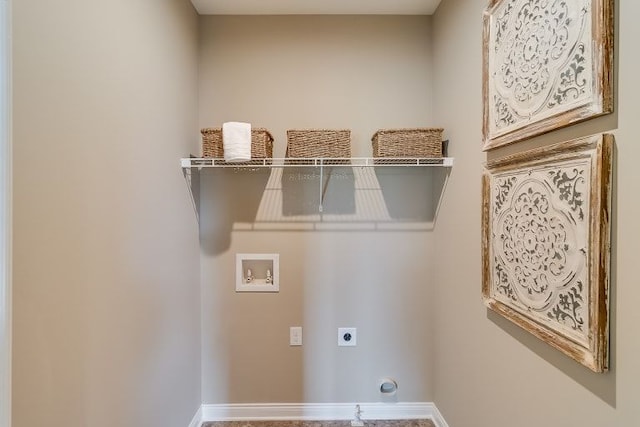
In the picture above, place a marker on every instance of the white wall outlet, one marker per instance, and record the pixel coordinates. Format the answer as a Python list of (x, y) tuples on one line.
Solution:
[(347, 337), (295, 335)]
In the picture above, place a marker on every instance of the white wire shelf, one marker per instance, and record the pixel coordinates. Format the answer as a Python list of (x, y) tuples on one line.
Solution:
[(200, 162), (193, 166)]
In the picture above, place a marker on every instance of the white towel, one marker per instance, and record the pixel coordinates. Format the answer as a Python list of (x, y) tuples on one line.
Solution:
[(236, 140)]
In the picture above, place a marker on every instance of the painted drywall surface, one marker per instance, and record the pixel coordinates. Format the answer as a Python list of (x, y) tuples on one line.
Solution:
[(336, 279), (489, 372), (106, 320), (361, 73), (5, 219)]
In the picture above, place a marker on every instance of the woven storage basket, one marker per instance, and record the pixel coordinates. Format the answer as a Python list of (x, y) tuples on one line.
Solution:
[(313, 143), (418, 142), (261, 143)]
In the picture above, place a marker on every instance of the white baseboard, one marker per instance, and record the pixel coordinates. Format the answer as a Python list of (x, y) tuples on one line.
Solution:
[(318, 411), (197, 418), (438, 419)]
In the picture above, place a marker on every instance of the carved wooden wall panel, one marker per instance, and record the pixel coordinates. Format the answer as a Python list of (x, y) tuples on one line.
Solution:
[(546, 244), (547, 63)]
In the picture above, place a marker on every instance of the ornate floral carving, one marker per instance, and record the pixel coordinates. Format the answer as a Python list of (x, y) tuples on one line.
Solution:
[(567, 185), (504, 113), (546, 243), (533, 240), (568, 310), (573, 83), (538, 258), (502, 282), (503, 186), (539, 59)]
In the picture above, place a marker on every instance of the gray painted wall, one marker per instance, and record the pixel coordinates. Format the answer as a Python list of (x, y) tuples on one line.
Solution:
[(287, 72), (106, 323), (489, 372), (5, 218), (106, 314)]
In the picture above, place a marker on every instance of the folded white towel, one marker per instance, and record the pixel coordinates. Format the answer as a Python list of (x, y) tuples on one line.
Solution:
[(236, 140)]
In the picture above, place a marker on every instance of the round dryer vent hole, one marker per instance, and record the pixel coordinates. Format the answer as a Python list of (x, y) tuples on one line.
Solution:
[(388, 386)]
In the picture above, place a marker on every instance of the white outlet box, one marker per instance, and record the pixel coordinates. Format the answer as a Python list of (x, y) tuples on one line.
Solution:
[(295, 335), (347, 337)]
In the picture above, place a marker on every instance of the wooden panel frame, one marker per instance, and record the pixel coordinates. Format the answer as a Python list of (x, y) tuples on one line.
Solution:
[(537, 78), (573, 266)]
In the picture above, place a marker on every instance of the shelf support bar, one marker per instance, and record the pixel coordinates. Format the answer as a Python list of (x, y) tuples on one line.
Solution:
[(188, 177), (321, 195)]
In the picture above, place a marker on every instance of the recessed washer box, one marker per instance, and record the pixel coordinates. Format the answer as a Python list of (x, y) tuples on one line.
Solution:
[(257, 273)]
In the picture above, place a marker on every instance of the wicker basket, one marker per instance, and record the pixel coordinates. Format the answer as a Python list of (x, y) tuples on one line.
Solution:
[(261, 143), (418, 142), (314, 143)]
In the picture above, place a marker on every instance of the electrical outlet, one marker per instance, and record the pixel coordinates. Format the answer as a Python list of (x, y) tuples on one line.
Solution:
[(295, 335), (347, 337)]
